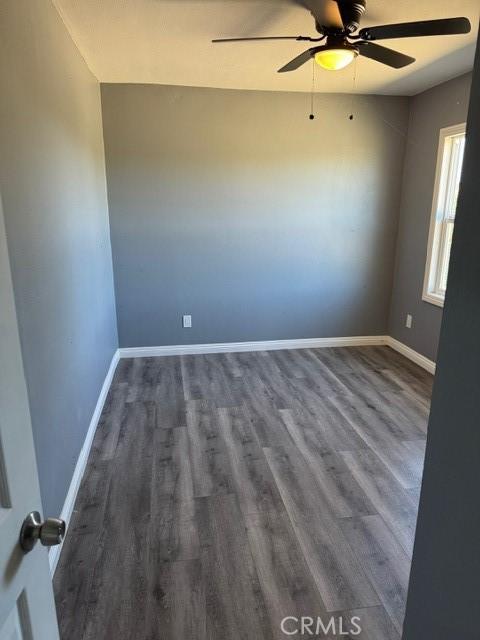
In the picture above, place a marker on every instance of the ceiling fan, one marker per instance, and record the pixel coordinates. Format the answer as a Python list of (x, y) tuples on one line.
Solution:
[(337, 21)]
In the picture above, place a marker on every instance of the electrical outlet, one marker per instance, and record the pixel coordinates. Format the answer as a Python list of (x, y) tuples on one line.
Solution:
[(409, 321), (187, 322)]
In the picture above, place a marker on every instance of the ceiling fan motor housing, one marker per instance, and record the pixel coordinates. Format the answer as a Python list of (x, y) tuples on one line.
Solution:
[(338, 41)]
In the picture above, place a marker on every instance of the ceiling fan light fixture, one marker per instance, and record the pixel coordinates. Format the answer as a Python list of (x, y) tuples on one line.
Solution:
[(335, 58)]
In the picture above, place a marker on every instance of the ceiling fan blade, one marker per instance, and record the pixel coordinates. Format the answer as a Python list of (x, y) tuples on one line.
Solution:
[(264, 38), (325, 12), (384, 55), (300, 60), (444, 27)]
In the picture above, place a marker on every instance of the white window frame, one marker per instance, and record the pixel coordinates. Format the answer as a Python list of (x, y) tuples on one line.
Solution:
[(435, 237)]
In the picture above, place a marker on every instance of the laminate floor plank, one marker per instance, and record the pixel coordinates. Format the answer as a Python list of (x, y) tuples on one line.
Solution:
[(174, 530), (340, 489), (116, 602), (172, 470), (108, 429), (416, 392), (225, 492), (177, 605), (335, 359), (288, 364), (191, 377), (235, 605), (260, 407), (209, 462), (265, 382), (382, 434), (332, 426), (172, 508), (407, 411), (284, 574), (314, 381), (226, 390), (135, 377), (166, 391), (389, 406), (232, 368), (89, 511), (340, 580), (395, 504), (252, 478), (324, 377), (407, 400), (205, 379), (364, 376), (73, 582), (384, 561), (412, 377)]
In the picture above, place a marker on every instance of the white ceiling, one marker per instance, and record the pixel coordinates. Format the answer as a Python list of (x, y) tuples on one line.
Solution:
[(168, 42)]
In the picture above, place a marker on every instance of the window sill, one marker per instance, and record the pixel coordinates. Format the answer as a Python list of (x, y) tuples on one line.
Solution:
[(433, 298)]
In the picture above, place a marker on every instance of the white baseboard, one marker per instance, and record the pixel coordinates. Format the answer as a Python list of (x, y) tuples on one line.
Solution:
[(412, 355), (275, 345), (267, 345), (54, 553)]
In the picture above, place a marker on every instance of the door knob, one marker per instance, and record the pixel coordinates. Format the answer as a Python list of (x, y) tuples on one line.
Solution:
[(50, 533)]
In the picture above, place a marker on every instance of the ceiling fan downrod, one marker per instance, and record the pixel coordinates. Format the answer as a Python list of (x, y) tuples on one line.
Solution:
[(352, 13)]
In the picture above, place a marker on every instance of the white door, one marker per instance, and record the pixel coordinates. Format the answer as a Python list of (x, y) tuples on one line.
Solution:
[(27, 608)]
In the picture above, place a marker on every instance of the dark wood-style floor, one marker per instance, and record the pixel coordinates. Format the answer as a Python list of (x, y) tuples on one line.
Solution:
[(226, 492)]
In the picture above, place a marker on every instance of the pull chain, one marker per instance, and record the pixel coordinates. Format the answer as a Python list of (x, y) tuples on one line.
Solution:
[(354, 88), (312, 94)]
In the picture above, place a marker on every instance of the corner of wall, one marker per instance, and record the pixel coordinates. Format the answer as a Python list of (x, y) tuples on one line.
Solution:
[(69, 30), (399, 216)]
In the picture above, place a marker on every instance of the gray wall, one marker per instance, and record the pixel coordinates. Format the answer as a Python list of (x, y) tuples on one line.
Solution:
[(445, 577), (233, 206), (52, 180), (430, 111)]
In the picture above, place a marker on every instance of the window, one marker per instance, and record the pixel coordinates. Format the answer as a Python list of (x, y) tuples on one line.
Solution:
[(447, 185)]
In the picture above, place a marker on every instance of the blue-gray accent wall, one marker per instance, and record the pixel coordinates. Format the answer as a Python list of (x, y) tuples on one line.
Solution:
[(234, 207), (52, 182)]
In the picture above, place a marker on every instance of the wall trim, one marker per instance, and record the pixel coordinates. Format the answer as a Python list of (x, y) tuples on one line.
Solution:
[(412, 355), (267, 345), (54, 553), (275, 345)]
